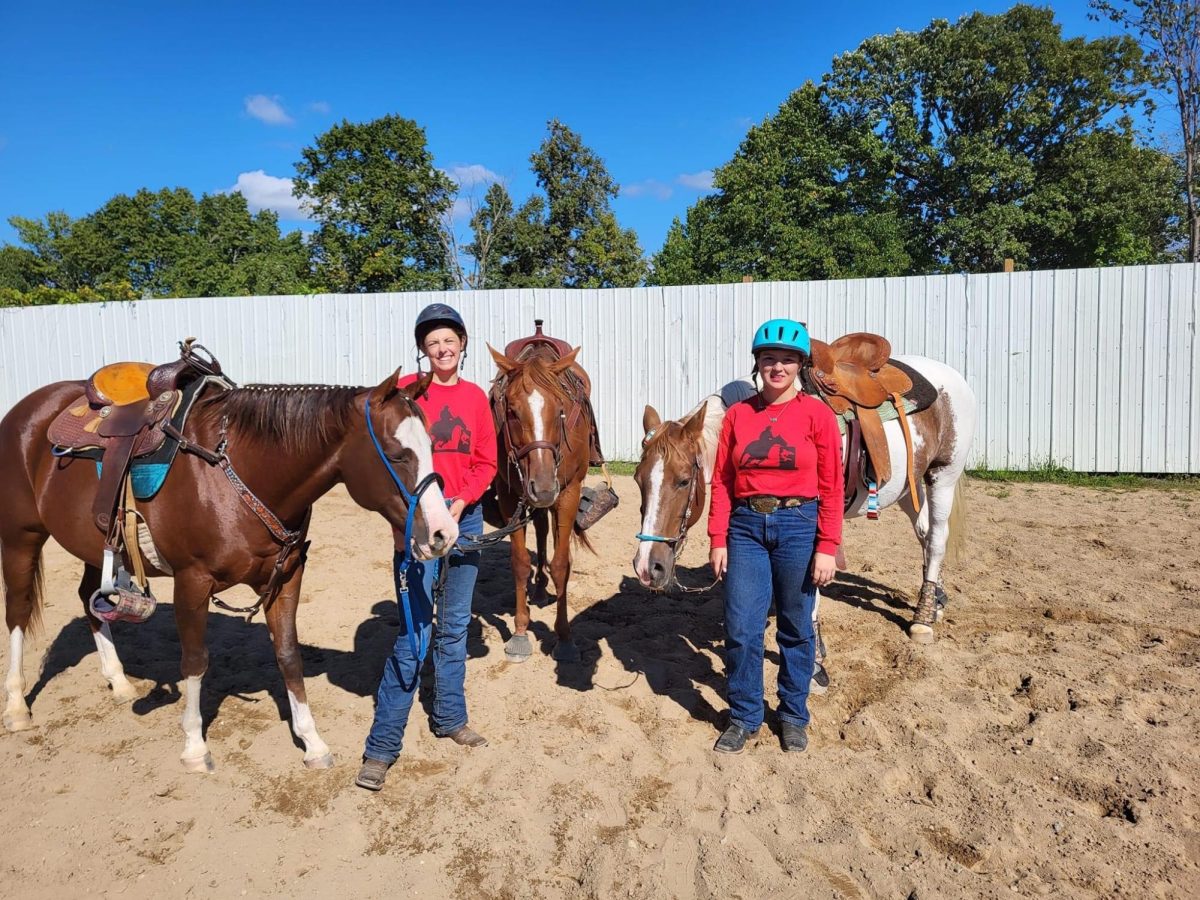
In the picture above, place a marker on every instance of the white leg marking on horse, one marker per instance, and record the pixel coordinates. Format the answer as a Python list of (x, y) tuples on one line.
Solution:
[(111, 668), (536, 404), (195, 752), (653, 498), (306, 729), (412, 436), (16, 712)]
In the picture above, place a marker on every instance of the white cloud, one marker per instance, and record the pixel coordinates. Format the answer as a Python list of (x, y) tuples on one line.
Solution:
[(267, 109), (648, 188), (698, 181), (263, 191), (472, 175), (320, 106)]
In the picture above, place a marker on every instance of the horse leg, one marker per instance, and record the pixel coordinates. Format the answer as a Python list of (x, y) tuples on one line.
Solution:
[(192, 592), (110, 663), (519, 648), (560, 569), (819, 683), (22, 565), (541, 576), (281, 622), (932, 526)]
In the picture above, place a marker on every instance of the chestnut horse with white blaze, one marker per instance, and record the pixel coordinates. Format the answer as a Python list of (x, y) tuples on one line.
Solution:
[(289, 444), (544, 420), (677, 460)]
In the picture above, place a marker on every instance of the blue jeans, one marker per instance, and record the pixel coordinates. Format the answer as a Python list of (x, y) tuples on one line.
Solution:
[(770, 555), (401, 672)]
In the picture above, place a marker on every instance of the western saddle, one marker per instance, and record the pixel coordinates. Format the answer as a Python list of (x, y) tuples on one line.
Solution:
[(129, 420), (856, 376)]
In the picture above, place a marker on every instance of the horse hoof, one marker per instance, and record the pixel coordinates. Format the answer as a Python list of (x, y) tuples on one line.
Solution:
[(566, 651), (319, 762), (202, 765), (519, 648), (18, 722), (124, 693), (920, 634)]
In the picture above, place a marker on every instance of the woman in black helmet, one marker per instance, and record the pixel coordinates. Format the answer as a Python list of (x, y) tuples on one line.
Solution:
[(460, 427)]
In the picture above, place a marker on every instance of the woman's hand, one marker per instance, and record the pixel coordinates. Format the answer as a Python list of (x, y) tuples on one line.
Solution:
[(456, 509), (718, 558), (823, 569)]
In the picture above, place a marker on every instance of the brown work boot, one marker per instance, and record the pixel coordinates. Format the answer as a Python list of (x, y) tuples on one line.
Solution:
[(467, 737), (372, 774)]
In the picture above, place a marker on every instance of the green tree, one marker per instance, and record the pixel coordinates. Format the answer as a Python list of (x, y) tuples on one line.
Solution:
[(1169, 33), (947, 149), (379, 202)]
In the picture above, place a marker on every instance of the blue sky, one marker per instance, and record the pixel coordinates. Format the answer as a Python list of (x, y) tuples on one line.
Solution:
[(105, 98)]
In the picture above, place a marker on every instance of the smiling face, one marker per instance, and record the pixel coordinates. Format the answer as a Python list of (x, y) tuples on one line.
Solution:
[(444, 347), (778, 368)]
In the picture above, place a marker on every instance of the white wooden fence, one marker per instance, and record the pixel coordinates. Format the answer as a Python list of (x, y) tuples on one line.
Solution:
[(1097, 370)]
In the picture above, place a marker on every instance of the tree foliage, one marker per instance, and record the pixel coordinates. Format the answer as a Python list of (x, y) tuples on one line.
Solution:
[(947, 149), (378, 201), (154, 244), (569, 237), (1169, 32)]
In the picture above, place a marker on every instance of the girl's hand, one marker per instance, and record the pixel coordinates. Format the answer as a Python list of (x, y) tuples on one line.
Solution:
[(456, 509), (718, 558), (823, 569)]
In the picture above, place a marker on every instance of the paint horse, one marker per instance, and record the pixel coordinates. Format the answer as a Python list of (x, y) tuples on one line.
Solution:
[(678, 458), (546, 426), (254, 462)]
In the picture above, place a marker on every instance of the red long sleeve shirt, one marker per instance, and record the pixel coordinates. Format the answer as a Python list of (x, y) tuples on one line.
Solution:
[(799, 454), (460, 427)]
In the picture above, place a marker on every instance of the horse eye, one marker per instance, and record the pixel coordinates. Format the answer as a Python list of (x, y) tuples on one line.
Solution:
[(684, 483)]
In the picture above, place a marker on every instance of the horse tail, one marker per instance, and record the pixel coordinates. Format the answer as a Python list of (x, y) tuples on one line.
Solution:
[(37, 587), (582, 538), (957, 525)]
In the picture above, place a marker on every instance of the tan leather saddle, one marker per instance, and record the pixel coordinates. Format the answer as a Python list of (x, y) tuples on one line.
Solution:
[(854, 375)]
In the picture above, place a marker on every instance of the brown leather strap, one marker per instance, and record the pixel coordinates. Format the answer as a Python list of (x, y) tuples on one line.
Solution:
[(132, 547), (115, 465), (876, 440), (908, 448)]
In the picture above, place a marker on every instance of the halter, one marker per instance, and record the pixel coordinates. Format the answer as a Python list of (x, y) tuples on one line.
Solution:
[(419, 646), (678, 542)]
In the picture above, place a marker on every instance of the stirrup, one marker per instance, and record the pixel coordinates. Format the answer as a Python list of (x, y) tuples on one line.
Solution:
[(131, 603), (594, 505)]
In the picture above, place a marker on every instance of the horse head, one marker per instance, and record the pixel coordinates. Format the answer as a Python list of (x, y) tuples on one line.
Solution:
[(671, 478), (390, 439), (533, 419)]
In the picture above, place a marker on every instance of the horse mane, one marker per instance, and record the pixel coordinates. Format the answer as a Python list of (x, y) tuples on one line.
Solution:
[(535, 374), (297, 417)]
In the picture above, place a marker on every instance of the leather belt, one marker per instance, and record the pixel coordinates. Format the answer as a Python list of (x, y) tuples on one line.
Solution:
[(763, 503)]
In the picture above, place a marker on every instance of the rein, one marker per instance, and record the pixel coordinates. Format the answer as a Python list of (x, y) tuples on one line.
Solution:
[(418, 645)]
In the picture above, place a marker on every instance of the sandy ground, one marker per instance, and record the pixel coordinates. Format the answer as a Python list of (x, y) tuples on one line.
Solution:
[(1045, 745)]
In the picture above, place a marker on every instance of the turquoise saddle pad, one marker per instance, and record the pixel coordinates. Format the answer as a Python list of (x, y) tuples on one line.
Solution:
[(147, 478)]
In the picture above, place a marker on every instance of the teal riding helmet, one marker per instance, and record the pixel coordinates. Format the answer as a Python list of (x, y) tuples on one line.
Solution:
[(781, 334)]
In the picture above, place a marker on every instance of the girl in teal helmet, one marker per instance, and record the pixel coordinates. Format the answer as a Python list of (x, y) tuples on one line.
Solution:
[(775, 522)]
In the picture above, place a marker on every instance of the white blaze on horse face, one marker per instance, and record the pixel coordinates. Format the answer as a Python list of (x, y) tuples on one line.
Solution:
[(653, 499), (411, 435), (537, 403)]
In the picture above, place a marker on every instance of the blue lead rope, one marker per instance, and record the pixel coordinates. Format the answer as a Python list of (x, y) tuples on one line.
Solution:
[(418, 643)]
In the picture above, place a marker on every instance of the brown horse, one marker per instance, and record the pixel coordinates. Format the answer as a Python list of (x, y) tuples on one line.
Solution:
[(539, 404), (289, 444), (673, 496)]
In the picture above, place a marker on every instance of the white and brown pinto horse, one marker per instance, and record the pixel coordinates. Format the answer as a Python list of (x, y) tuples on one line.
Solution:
[(678, 456)]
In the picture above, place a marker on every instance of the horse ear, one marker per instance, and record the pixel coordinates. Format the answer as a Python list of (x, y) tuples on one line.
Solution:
[(693, 427), (418, 387), (505, 364), (566, 362), (650, 419), (386, 389)]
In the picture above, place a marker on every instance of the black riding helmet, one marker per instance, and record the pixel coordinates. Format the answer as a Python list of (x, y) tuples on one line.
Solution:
[(438, 315)]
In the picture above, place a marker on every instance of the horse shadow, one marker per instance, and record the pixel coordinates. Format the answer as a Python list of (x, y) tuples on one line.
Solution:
[(870, 596)]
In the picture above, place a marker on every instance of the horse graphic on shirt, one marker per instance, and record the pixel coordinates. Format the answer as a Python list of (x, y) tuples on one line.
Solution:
[(758, 452), (444, 431)]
